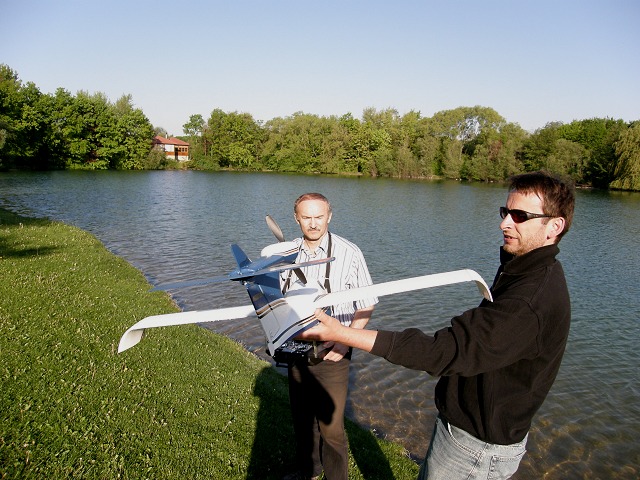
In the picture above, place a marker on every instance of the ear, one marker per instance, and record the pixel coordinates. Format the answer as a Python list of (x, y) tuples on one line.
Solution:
[(330, 215), (555, 227), (295, 217)]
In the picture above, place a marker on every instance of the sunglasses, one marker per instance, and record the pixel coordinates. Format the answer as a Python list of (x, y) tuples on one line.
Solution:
[(519, 216)]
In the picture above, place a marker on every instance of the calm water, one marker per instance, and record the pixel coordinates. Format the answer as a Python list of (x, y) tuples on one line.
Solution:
[(179, 225)]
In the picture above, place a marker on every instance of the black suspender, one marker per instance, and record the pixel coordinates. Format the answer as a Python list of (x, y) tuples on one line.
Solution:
[(327, 285)]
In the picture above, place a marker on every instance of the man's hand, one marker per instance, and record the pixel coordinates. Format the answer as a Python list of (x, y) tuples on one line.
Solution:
[(337, 351), (330, 329), (325, 330)]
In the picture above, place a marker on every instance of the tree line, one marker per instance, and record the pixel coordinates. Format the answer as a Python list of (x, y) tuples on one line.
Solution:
[(64, 131)]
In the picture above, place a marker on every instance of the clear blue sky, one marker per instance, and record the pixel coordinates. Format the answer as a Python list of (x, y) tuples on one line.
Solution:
[(533, 62)]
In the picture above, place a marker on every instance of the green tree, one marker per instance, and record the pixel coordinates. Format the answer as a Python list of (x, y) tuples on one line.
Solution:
[(349, 128), (40, 131), (568, 158), (306, 143), (57, 107), (494, 154), (195, 129), (23, 123), (161, 131), (597, 136), (377, 150), (90, 122), (405, 134), (540, 146), (626, 173), (357, 149), (379, 135), (231, 140), (428, 150), (133, 135), (335, 145), (457, 130), (195, 126), (10, 112), (31, 130)]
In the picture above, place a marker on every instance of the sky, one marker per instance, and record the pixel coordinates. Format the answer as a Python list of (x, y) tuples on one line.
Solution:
[(533, 62)]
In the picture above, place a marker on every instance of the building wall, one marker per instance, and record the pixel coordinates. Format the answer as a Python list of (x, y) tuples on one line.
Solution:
[(174, 152), (183, 154)]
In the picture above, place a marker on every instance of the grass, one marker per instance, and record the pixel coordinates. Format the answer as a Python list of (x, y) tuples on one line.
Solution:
[(184, 403)]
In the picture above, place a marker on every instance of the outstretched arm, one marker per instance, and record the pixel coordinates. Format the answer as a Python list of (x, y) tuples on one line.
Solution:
[(362, 317), (330, 329)]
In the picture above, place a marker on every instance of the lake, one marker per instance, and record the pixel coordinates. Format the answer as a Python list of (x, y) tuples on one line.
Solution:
[(179, 225)]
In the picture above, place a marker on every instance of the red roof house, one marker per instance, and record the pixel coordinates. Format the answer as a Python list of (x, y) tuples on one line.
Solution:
[(174, 148)]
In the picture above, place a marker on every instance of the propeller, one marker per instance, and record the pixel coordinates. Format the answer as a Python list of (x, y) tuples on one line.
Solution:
[(275, 228), (277, 232)]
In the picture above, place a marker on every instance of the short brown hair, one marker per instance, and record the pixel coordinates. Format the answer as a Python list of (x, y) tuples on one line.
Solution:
[(557, 194), (311, 196)]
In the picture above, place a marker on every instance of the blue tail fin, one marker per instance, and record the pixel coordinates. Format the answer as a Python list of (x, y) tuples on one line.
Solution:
[(240, 256)]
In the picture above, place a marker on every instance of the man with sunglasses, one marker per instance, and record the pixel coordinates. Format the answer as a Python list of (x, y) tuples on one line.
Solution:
[(498, 361)]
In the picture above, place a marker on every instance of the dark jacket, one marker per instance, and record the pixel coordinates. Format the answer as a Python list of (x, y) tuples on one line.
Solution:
[(497, 361)]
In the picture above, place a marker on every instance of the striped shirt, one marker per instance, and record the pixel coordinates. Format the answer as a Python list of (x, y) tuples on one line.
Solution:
[(348, 270)]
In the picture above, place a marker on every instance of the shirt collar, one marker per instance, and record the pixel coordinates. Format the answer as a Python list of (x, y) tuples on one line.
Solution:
[(322, 248)]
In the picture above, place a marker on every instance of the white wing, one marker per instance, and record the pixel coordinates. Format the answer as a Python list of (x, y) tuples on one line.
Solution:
[(132, 336), (298, 304), (406, 285)]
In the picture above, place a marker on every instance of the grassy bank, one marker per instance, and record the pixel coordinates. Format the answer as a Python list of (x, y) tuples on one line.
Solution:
[(184, 403)]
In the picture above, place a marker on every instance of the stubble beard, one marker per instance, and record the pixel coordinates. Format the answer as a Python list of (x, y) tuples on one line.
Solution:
[(525, 245)]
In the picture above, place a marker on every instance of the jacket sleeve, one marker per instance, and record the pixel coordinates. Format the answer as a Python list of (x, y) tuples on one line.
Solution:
[(481, 339)]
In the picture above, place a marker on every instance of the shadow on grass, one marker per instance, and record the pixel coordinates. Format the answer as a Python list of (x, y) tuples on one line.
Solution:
[(12, 220), (273, 451), (272, 454), (371, 461)]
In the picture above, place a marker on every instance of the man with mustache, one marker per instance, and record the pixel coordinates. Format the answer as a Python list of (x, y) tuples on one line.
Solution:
[(318, 391)]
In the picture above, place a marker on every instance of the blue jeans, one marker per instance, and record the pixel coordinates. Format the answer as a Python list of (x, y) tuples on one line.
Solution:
[(455, 455)]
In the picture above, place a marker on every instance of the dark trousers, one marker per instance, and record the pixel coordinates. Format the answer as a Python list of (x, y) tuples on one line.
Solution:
[(318, 394)]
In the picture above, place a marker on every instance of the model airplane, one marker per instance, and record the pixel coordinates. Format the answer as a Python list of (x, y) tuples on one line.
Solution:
[(284, 316)]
